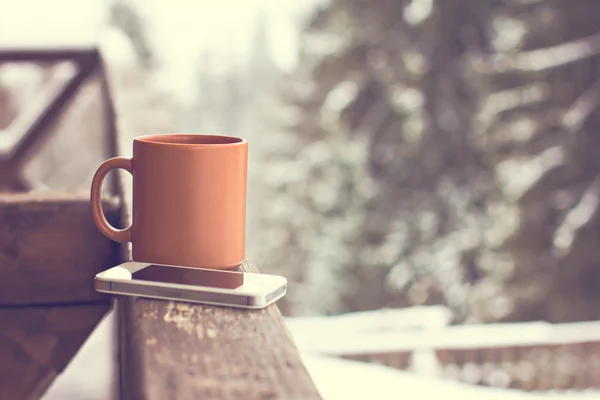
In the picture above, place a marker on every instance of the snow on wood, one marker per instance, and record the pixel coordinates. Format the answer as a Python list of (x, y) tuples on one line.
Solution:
[(356, 334), (338, 379), (374, 321)]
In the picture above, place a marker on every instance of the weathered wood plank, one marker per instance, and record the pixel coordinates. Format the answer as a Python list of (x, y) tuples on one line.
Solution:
[(175, 350), (185, 351), (47, 53), (36, 343), (50, 248)]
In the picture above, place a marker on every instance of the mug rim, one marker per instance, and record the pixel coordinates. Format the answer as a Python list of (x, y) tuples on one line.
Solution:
[(165, 139)]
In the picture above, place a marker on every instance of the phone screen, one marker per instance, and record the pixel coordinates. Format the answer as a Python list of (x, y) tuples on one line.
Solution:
[(190, 276)]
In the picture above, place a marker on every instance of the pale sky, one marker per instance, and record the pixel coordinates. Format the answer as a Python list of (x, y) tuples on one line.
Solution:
[(179, 29), (182, 28), (50, 21)]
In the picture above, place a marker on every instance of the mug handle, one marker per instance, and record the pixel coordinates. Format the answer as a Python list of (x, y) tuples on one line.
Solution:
[(118, 235)]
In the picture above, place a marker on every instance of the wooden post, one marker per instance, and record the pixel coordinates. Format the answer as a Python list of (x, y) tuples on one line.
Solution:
[(179, 350)]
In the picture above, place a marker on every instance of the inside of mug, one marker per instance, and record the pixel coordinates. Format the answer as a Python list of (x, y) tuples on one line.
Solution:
[(190, 139)]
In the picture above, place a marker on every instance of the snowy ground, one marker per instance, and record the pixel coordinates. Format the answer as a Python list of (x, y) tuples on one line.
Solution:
[(339, 379)]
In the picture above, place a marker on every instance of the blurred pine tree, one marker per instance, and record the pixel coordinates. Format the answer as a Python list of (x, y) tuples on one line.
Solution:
[(445, 152)]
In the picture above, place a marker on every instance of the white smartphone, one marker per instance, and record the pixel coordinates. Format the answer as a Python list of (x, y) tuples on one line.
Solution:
[(207, 286)]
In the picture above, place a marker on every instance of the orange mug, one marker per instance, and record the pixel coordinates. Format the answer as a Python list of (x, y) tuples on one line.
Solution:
[(189, 200)]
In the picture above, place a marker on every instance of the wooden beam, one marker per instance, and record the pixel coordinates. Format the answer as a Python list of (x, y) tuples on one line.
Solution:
[(48, 53), (36, 343), (110, 123), (184, 351), (15, 131), (50, 248)]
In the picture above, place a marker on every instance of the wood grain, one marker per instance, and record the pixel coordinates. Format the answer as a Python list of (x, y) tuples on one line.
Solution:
[(176, 350), (36, 343), (50, 249), (182, 351)]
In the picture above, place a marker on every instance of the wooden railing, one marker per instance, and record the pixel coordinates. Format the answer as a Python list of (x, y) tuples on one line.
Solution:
[(50, 252), (49, 246), (527, 356), (41, 123)]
